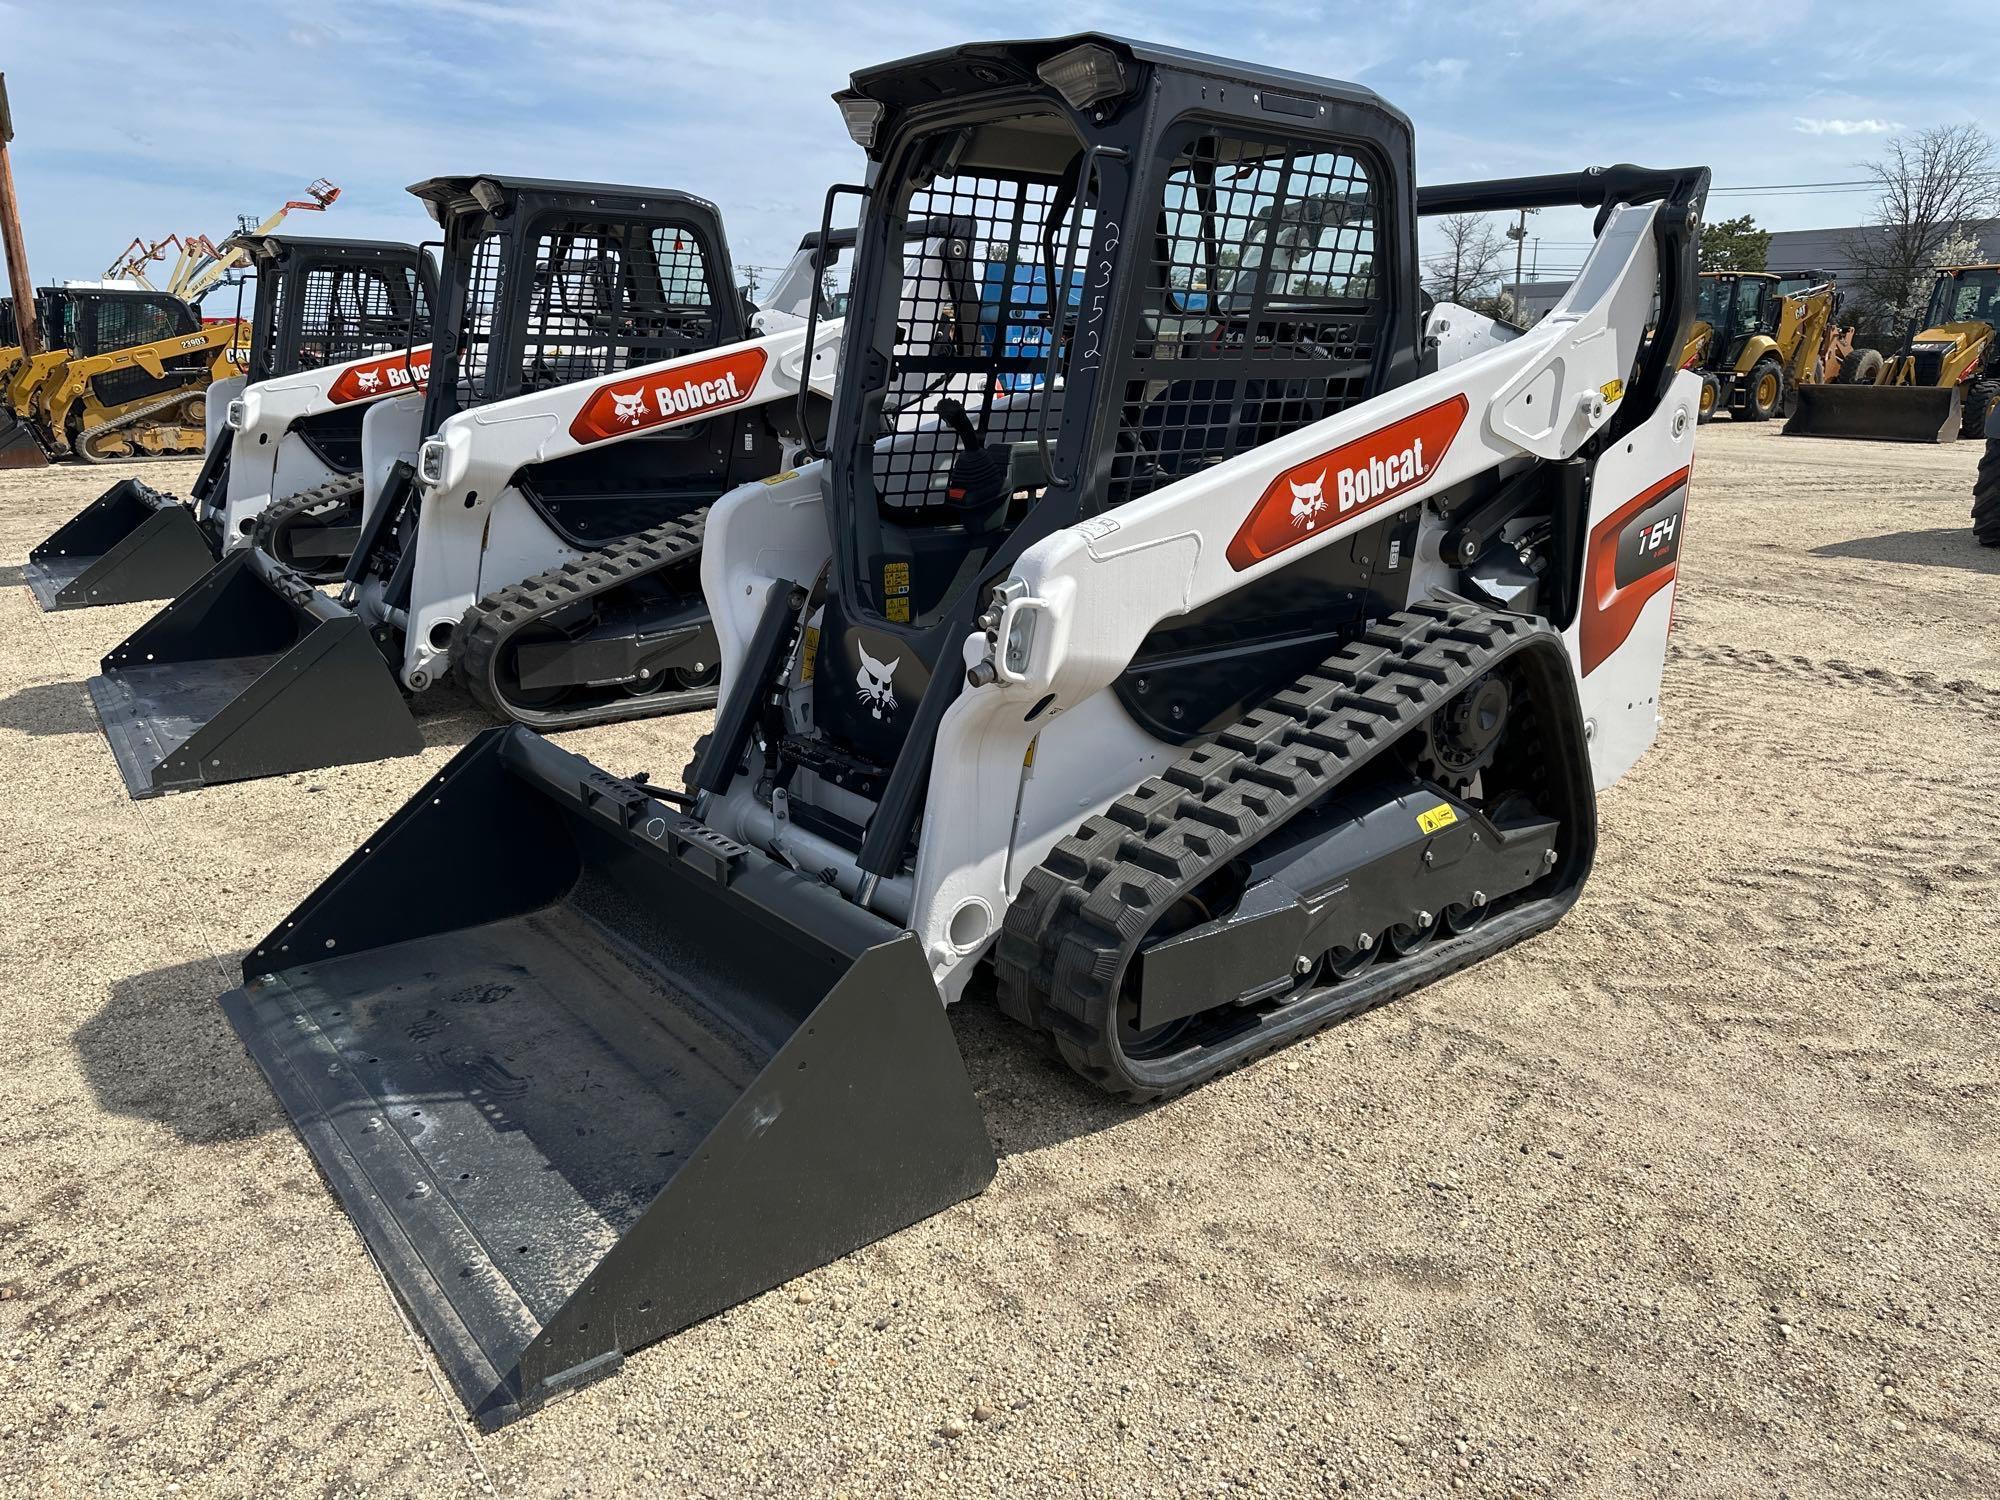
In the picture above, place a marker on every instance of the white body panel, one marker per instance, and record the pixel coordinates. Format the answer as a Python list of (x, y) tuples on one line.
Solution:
[(1097, 589), (475, 531), (268, 461)]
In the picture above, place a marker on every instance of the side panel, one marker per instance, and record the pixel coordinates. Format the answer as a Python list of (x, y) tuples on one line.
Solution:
[(1638, 513)]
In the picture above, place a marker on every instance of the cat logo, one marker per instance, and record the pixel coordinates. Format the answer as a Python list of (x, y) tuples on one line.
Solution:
[(630, 409), (368, 381), (1308, 500), (875, 684), (683, 390)]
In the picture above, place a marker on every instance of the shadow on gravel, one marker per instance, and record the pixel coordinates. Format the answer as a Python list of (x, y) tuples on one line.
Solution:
[(49, 708), (1030, 1098), (13, 575), (162, 1050), (1941, 547)]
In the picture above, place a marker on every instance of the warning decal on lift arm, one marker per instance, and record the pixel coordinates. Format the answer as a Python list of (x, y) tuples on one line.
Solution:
[(1441, 816)]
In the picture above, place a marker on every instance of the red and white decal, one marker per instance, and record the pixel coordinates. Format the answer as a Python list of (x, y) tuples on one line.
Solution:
[(1341, 484), (665, 398), (1634, 553), (386, 375)]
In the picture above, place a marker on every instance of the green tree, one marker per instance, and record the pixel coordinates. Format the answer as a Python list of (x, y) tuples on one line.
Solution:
[(1735, 245)]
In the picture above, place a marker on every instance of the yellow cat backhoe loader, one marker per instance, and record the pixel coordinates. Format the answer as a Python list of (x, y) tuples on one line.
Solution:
[(1937, 388), (1758, 337)]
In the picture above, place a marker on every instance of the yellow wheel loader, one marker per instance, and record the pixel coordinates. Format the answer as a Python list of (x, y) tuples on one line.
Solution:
[(1939, 387), (1203, 658), (1757, 339)]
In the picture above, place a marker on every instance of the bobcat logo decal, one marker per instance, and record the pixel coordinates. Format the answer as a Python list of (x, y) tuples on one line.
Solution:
[(368, 380), (875, 684), (1308, 500), (629, 409)]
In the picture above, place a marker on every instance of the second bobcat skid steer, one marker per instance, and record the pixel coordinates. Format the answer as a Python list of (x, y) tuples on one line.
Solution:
[(531, 509), (320, 303), (1241, 651)]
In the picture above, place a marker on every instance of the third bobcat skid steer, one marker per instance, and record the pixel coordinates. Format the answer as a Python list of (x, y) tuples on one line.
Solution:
[(531, 502), (320, 303), (1938, 388), (1240, 655), (1755, 343)]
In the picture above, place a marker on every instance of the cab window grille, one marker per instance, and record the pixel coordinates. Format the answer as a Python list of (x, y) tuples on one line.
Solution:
[(990, 277), (1261, 310), (475, 328), (126, 323), (349, 312), (607, 297)]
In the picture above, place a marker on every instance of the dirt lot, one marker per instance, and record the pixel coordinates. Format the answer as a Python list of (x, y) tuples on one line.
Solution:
[(1692, 1196)]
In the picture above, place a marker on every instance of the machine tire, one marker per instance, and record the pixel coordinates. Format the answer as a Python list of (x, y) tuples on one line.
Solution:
[(1864, 368), (1980, 397), (1763, 391), (1711, 398), (1986, 497)]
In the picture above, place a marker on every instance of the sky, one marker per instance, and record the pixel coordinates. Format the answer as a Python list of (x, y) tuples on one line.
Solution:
[(731, 100)]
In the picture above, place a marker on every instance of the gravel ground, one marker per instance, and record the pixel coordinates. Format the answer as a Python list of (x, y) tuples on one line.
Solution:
[(1691, 1196)]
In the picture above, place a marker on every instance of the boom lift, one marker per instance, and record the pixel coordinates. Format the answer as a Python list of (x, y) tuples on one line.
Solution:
[(1244, 653), (320, 304), (531, 504)]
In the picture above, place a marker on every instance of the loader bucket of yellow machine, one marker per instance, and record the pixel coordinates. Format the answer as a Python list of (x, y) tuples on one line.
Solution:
[(19, 447), (1884, 413), (251, 672), (131, 543), (583, 1072)]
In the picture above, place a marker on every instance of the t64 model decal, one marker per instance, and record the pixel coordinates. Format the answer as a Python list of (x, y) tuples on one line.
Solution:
[(666, 397), (1634, 553), (386, 375), (1324, 491)]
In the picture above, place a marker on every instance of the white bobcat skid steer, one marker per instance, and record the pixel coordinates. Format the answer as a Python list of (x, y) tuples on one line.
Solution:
[(320, 303), (594, 392), (1247, 654)]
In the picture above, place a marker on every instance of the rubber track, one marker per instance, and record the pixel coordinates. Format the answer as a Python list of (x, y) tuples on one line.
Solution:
[(132, 418), (1082, 913), (344, 488), (475, 649), (1986, 497)]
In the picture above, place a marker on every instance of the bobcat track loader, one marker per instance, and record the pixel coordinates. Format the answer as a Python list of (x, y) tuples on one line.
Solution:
[(531, 506), (1937, 389), (1241, 654), (321, 304)]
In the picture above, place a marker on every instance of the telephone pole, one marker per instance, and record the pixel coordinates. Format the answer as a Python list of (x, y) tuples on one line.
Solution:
[(11, 239)]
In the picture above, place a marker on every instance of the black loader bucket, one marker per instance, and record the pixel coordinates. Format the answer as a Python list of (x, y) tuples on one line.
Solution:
[(252, 672), (583, 1072), (130, 543), (1885, 413), (19, 447)]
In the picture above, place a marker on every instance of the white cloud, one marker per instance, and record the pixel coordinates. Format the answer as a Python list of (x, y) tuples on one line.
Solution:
[(1845, 127), (1445, 70)]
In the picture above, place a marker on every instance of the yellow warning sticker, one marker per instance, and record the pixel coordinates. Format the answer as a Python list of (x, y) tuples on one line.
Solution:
[(781, 478), (811, 652), (897, 609), (1611, 390), (1441, 816), (895, 578)]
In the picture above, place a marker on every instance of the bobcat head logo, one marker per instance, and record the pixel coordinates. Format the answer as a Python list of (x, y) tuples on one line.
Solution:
[(875, 684), (630, 408), (1308, 500), (368, 380)]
